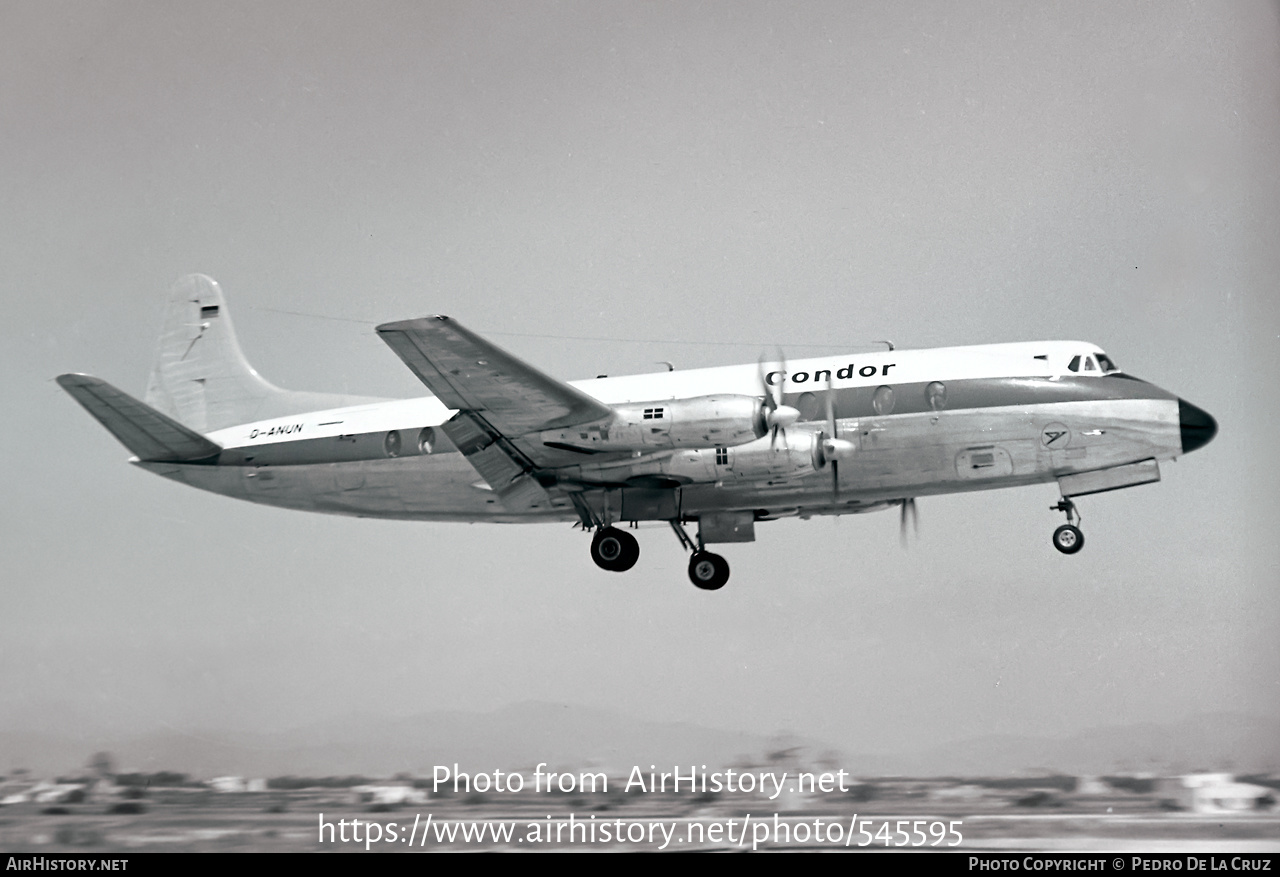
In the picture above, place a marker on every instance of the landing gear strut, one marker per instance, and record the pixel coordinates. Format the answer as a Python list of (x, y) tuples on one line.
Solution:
[(615, 550), (1068, 539)]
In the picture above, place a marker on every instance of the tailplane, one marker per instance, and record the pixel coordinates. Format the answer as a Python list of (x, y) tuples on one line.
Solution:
[(150, 434), (200, 376)]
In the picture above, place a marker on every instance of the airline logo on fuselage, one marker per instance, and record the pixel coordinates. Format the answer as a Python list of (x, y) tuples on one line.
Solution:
[(280, 429), (824, 374)]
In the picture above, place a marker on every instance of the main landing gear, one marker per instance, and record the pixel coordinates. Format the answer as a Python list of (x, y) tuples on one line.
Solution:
[(615, 550), (1068, 539), (706, 570)]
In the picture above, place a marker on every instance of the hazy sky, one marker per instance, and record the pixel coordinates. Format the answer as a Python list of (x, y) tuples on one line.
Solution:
[(697, 182)]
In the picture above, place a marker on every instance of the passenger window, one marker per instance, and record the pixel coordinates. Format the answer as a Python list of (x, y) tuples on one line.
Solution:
[(882, 400), (1074, 365), (936, 395), (808, 406)]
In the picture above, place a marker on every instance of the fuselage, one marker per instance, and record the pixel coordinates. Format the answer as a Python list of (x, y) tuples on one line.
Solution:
[(922, 422)]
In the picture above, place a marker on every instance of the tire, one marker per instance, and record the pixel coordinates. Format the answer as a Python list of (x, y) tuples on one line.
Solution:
[(615, 550), (708, 571), (1068, 539)]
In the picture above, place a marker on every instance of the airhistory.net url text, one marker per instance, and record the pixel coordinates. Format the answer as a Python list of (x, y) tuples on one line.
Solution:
[(747, 832)]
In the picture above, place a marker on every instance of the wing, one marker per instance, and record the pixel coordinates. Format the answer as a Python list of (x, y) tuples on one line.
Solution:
[(468, 373), (498, 397)]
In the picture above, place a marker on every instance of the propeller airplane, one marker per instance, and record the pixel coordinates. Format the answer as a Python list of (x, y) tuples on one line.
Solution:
[(725, 448)]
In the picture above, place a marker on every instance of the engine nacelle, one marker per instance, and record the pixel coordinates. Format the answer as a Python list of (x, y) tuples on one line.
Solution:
[(799, 455), (700, 422), (793, 455)]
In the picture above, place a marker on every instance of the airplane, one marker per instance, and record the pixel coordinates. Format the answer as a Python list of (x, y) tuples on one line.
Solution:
[(725, 448)]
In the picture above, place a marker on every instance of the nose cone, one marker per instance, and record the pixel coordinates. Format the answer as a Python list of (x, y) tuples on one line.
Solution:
[(1198, 427)]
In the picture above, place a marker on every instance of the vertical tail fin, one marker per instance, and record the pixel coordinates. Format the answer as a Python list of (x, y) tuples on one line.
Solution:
[(200, 376)]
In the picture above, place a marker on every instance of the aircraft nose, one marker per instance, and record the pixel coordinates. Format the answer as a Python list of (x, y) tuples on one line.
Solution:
[(1198, 427)]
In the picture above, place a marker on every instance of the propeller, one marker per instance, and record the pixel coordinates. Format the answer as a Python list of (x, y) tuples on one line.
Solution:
[(908, 506), (777, 417), (834, 448)]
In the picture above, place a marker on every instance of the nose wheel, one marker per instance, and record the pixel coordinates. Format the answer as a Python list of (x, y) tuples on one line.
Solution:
[(1068, 539), (615, 550)]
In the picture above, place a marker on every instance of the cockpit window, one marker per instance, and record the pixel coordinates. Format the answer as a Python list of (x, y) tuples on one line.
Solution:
[(1105, 363), (1088, 364), (1074, 365)]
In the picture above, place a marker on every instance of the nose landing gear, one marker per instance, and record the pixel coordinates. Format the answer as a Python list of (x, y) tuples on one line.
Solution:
[(1068, 539)]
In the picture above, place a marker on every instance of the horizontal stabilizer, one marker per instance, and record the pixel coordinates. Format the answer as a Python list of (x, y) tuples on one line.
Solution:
[(152, 436)]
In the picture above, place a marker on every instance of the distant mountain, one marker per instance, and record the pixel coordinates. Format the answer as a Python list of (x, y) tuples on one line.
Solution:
[(1221, 741), (520, 736), (513, 738)]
